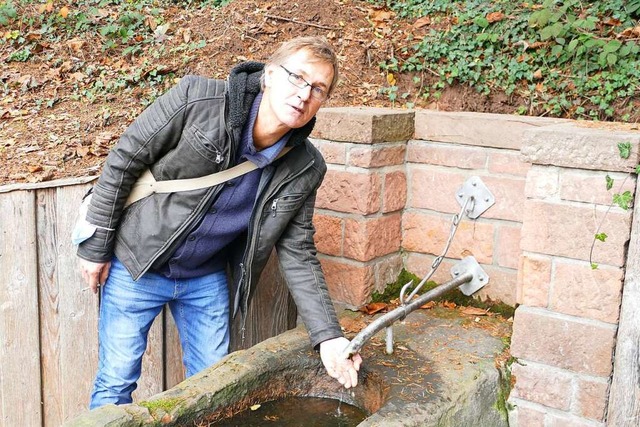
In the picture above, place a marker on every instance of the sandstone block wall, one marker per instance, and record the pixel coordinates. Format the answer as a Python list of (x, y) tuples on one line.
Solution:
[(360, 204), (388, 200), (564, 331)]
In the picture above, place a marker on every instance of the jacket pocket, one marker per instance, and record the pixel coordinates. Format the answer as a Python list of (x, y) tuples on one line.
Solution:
[(286, 203), (204, 146), (198, 153)]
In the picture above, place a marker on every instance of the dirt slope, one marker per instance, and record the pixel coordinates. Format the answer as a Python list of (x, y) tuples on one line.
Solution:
[(60, 113)]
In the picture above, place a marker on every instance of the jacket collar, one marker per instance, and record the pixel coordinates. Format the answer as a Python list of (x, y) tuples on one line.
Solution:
[(244, 86)]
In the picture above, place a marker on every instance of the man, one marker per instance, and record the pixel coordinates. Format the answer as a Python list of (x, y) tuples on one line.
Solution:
[(173, 248)]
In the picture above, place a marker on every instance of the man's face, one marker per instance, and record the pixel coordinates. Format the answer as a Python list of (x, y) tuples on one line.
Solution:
[(289, 104)]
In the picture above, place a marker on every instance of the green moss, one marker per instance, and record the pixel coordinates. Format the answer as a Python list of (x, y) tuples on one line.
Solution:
[(165, 405), (504, 390), (392, 291)]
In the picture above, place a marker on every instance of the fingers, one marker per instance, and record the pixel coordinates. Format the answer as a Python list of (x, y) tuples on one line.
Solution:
[(94, 274), (353, 374), (347, 373), (104, 273), (357, 361), (343, 369)]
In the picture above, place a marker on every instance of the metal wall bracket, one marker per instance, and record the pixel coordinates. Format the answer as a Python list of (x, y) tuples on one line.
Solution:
[(482, 197), (470, 265)]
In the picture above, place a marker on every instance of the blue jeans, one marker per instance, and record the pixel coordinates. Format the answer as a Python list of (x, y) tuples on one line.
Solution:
[(200, 308)]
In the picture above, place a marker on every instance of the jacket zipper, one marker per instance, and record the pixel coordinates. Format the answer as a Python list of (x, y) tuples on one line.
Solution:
[(253, 231)]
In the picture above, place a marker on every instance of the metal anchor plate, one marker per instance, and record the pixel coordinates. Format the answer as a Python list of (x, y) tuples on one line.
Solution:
[(480, 278), (482, 197)]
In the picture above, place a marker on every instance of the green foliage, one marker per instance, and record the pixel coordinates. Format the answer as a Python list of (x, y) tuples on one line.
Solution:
[(130, 29), (623, 200), (609, 182), (625, 149), (8, 13), (563, 58), (133, 25)]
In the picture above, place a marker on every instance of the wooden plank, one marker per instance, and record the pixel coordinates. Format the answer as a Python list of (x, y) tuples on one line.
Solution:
[(624, 395), (52, 377), (77, 307), (56, 183), (20, 378), (271, 311), (174, 368)]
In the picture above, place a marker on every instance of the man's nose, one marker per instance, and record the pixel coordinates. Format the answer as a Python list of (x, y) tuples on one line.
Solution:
[(305, 92)]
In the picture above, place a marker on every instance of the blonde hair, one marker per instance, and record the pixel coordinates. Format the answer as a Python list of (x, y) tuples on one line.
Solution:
[(319, 49)]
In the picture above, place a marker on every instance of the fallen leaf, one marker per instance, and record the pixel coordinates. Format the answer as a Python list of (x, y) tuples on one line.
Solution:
[(373, 307), (186, 35), (75, 44), (380, 15), (449, 304), (161, 33), (255, 407), (78, 76), (35, 168), (536, 45), (82, 151), (380, 18), (64, 11), (31, 36), (352, 325), (27, 82), (151, 23), (428, 305), (391, 79), (474, 311), (614, 22), (104, 138), (47, 7), (495, 17), (537, 75), (425, 20)]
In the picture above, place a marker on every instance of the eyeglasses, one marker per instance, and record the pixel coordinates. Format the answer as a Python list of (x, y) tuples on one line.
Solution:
[(298, 81)]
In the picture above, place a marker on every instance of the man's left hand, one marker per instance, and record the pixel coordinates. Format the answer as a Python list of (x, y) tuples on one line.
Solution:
[(337, 366)]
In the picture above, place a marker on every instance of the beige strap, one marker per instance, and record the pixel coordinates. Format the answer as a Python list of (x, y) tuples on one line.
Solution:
[(147, 185)]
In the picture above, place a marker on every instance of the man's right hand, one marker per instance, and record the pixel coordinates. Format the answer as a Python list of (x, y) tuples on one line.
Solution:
[(94, 273)]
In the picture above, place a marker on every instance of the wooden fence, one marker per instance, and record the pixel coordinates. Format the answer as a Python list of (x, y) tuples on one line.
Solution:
[(48, 319)]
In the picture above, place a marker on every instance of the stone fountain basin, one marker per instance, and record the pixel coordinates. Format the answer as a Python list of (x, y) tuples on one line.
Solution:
[(442, 373)]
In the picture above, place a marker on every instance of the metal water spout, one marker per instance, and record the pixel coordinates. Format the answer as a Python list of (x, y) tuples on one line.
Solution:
[(474, 198), (468, 276)]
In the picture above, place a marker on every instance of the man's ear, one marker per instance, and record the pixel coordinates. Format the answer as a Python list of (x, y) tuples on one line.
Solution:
[(268, 75)]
